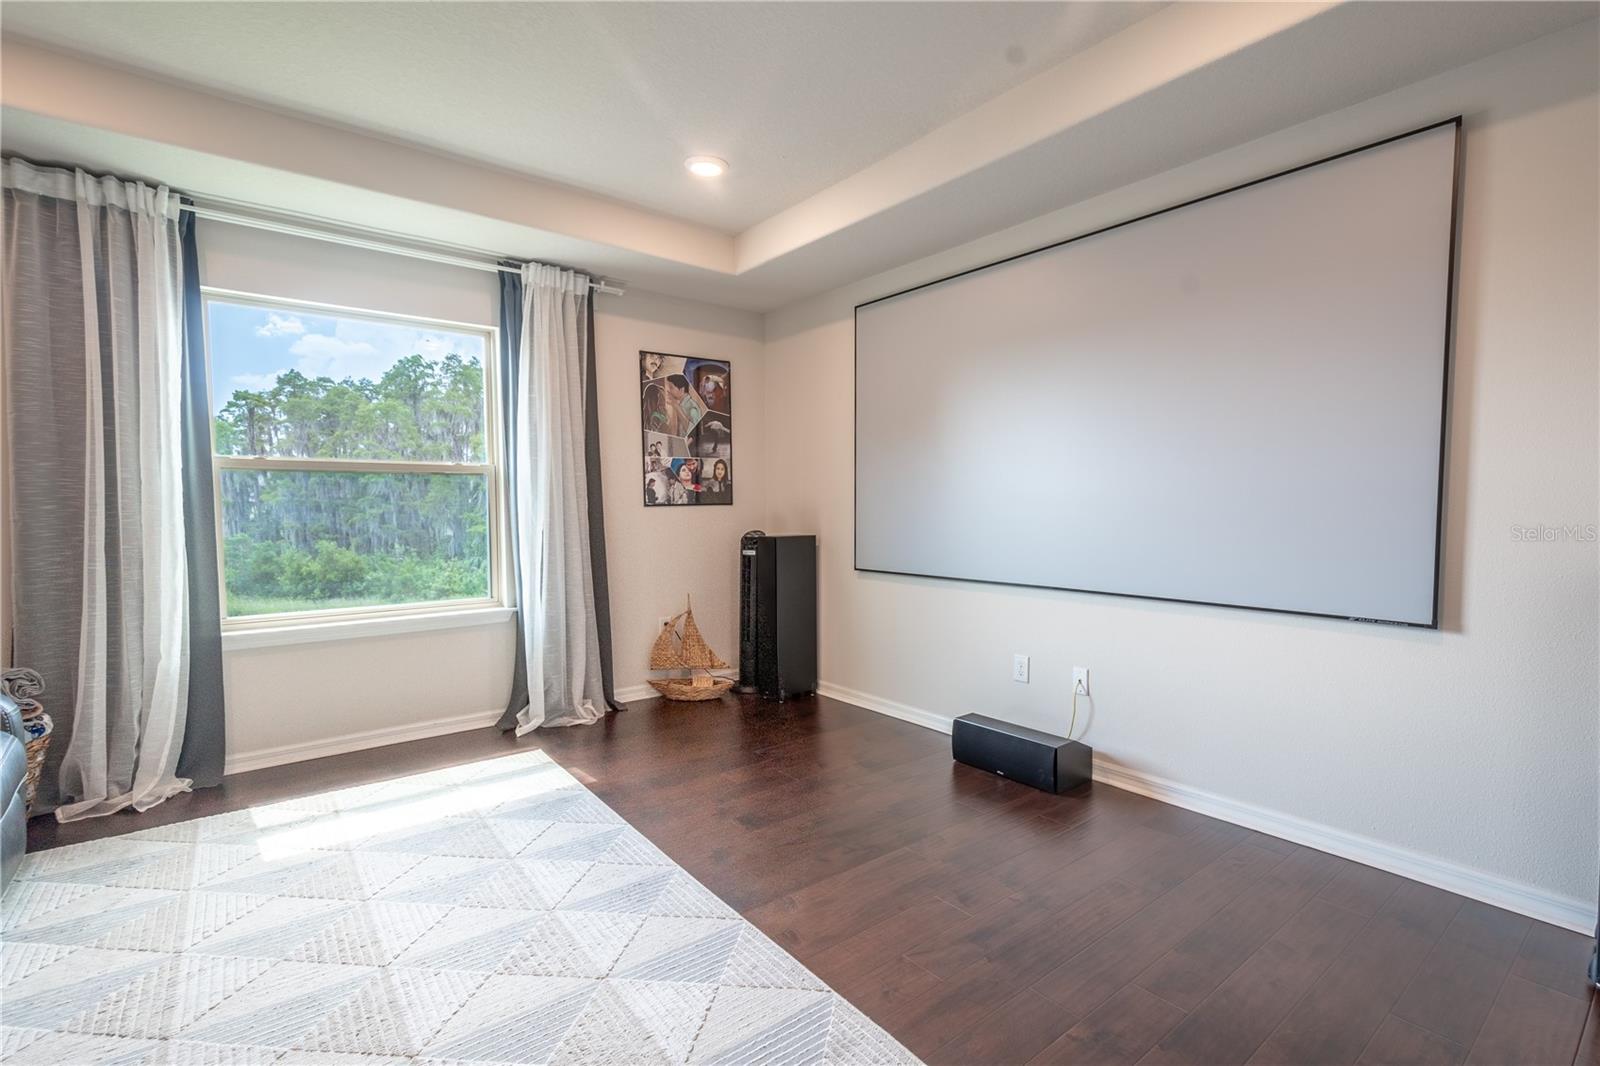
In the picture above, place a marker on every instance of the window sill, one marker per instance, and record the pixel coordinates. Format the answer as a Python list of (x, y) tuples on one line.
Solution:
[(270, 636)]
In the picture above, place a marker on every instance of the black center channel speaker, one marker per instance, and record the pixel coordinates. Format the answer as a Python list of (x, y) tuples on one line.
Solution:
[(1052, 763), (786, 616)]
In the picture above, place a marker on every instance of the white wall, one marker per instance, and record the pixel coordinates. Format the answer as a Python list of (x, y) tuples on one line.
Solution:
[(1466, 756), (1470, 752), (298, 701), (658, 556)]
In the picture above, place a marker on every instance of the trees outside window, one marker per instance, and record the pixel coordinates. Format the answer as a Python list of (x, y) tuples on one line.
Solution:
[(354, 459)]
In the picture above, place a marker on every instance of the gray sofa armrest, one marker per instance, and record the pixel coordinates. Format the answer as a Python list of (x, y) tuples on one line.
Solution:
[(13, 790), (11, 718)]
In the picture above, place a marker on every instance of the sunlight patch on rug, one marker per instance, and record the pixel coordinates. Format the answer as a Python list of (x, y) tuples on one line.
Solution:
[(487, 914)]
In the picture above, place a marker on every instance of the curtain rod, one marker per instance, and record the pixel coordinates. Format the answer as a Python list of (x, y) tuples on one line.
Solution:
[(489, 263)]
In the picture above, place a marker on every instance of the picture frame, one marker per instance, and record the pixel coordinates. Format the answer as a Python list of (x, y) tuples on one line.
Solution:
[(686, 430)]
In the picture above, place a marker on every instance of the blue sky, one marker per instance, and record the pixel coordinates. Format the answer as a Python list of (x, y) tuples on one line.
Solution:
[(251, 346)]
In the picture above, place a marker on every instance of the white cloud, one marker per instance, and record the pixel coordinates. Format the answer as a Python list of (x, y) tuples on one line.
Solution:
[(255, 382), (280, 324), (335, 357), (354, 348)]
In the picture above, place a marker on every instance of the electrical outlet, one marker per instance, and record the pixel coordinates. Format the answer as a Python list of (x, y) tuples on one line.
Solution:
[(1019, 669), (1080, 680)]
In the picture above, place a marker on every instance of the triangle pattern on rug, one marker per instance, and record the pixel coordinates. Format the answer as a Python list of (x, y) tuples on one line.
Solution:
[(484, 915), (59, 993), (72, 865), (533, 1017), (570, 805), (213, 860), (369, 934), (20, 961), (441, 879), (636, 1023), (158, 865), (395, 1013), (854, 1037), (87, 929), (281, 1006), (515, 834), (36, 902), (275, 930), (465, 837), (573, 944), (769, 1026), (632, 848), (584, 842), (469, 939), (757, 962), (318, 875), (159, 1002), (523, 884), (85, 1049), (694, 954), (684, 897), (632, 889)]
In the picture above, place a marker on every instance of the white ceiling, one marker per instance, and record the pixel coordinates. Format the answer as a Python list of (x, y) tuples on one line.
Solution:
[(607, 97), (862, 136)]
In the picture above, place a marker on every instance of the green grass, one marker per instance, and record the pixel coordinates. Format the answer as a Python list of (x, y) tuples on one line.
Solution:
[(240, 604)]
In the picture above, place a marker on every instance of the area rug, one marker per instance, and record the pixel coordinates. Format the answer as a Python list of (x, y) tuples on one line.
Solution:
[(490, 913)]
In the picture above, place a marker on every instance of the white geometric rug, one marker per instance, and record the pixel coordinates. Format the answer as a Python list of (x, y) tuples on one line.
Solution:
[(485, 914)]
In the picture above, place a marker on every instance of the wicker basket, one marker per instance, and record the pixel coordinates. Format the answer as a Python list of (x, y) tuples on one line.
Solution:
[(684, 688), (36, 749)]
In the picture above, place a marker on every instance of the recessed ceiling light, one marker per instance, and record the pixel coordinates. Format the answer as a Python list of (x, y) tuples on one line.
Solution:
[(706, 166)]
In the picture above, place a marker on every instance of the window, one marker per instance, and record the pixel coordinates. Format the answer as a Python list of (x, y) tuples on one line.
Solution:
[(354, 458)]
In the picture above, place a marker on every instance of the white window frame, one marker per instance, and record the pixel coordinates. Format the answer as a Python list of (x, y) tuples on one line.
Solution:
[(427, 612)]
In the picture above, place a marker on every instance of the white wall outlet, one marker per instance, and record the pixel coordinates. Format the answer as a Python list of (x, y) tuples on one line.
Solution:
[(1019, 668), (1080, 680)]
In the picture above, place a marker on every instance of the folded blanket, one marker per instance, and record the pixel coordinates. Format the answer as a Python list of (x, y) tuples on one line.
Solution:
[(22, 684)]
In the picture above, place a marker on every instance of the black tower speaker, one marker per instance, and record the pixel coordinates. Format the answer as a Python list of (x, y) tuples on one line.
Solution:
[(747, 610), (786, 616)]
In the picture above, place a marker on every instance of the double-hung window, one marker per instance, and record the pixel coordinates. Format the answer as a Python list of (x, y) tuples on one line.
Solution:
[(354, 461)]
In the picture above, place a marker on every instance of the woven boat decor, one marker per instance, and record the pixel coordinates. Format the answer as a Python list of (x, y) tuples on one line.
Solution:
[(687, 650), (483, 915)]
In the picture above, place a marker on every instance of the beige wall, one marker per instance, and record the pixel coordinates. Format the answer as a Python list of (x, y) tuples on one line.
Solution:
[(659, 555), (1472, 749), (301, 700), (1466, 754)]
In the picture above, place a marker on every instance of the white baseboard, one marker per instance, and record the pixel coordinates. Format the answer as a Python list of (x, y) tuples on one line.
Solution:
[(1564, 911), (903, 711), (639, 692), (244, 762)]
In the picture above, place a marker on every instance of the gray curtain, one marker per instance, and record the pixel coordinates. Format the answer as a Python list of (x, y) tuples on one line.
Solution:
[(93, 361), (597, 513), (510, 347), (204, 732), (563, 673)]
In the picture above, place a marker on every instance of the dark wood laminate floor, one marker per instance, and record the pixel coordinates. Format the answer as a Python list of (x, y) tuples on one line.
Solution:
[(980, 921)]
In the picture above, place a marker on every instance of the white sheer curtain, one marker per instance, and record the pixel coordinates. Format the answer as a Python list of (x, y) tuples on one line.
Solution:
[(555, 579), (93, 345)]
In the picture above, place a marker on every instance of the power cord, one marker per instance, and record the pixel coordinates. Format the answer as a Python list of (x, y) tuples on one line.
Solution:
[(1077, 690)]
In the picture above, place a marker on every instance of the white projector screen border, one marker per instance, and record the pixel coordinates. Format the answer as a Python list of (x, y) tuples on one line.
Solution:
[(1433, 622)]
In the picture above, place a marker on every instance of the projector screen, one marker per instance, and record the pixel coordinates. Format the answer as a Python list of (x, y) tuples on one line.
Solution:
[(1237, 401)]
